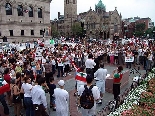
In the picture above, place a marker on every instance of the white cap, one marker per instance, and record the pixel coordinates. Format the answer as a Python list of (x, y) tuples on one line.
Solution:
[(61, 83)]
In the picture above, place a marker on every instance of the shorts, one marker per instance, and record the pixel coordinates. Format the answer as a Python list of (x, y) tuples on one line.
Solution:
[(52, 99), (101, 86)]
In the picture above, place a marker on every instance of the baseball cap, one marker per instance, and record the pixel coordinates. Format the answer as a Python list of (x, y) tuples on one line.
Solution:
[(61, 83)]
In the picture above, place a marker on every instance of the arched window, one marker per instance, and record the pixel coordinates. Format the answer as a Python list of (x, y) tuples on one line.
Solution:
[(67, 1), (30, 9), (74, 2), (39, 13), (20, 10), (8, 9)]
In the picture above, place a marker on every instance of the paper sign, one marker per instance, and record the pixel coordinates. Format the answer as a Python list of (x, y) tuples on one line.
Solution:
[(129, 59)]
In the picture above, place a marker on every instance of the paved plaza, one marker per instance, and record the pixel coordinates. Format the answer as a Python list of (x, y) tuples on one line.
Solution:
[(70, 87)]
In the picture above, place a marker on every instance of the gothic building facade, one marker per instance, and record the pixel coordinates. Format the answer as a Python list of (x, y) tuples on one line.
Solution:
[(98, 23), (24, 20), (102, 24)]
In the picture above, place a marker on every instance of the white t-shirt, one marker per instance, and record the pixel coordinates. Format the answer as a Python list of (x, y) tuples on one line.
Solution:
[(61, 100), (43, 61), (59, 61), (90, 63), (27, 89), (100, 74)]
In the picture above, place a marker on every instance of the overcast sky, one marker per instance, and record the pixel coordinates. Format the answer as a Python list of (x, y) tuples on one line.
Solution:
[(128, 8)]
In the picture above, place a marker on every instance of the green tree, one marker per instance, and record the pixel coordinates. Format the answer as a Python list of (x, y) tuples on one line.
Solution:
[(54, 32), (149, 32), (140, 28), (76, 29)]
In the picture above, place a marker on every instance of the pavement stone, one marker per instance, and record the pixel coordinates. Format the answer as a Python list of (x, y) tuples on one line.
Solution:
[(70, 87)]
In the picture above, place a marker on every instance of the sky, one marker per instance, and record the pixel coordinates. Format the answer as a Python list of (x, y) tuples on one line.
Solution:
[(128, 8)]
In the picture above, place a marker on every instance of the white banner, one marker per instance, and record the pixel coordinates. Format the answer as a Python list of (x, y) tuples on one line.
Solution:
[(129, 59)]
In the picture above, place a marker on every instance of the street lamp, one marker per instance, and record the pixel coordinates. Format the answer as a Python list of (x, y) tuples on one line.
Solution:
[(82, 25)]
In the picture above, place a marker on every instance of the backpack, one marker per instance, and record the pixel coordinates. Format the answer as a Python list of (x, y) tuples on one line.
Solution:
[(87, 99)]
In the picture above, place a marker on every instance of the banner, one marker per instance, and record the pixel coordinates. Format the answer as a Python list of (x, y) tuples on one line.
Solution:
[(52, 41), (129, 59)]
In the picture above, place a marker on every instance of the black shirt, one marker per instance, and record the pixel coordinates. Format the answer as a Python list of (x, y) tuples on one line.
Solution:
[(51, 88)]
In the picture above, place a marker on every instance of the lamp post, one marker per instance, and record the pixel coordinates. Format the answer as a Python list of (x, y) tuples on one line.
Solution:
[(43, 32), (82, 25)]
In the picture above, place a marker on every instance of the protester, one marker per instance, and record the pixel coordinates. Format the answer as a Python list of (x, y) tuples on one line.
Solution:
[(117, 76), (61, 100), (51, 87), (39, 98), (90, 65), (16, 97), (7, 78), (2, 98), (100, 75), (26, 89), (91, 110)]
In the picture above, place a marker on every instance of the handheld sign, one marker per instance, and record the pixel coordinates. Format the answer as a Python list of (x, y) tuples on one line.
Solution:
[(129, 59)]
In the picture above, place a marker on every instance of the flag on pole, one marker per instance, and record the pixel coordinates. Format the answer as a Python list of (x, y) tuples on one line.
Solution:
[(80, 76)]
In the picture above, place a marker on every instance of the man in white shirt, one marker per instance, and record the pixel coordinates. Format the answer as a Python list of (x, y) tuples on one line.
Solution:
[(60, 66), (90, 65), (61, 99), (39, 98), (100, 75)]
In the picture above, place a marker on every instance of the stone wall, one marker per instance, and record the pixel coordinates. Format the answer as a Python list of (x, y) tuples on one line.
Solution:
[(26, 23)]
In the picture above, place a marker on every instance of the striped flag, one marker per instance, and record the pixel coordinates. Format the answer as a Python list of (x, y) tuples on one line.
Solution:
[(80, 76), (4, 88)]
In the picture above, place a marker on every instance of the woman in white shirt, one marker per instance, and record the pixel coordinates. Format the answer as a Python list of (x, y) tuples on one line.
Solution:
[(149, 61), (26, 89)]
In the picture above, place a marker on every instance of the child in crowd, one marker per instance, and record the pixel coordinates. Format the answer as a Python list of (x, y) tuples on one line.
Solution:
[(52, 86)]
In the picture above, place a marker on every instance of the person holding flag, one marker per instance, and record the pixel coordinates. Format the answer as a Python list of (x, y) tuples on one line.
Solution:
[(80, 78), (4, 87)]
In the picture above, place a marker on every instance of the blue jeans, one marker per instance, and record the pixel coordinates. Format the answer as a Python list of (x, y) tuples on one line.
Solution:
[(29, 106), (5, 106)]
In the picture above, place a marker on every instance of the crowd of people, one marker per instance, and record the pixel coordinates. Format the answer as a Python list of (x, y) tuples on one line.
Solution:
[(30, 79)]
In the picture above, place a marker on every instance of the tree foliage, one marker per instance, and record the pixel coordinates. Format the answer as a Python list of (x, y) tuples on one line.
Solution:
[(140, 28), (76, 29), (54, 32)]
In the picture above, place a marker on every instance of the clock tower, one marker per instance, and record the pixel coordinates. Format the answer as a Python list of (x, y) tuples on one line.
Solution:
[(70, 14), (70, 9)]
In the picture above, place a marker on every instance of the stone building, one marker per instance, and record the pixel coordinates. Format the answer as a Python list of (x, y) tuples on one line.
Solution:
[(64, 22), (98, 23), (23, 20), (101, 24)]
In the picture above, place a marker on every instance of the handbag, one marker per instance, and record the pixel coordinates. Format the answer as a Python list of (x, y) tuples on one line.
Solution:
[(16, 99)]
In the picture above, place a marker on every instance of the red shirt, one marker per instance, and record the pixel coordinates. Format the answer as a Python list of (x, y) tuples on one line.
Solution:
[(7, 78), (118, 80)]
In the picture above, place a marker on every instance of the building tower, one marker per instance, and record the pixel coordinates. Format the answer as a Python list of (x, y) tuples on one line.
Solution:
[(70, 14), (100, 7)]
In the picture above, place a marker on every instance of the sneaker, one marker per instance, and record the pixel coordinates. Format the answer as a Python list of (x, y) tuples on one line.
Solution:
[(64, 75), (99, 102), (54, 109), (69, 74), (75, 94)]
